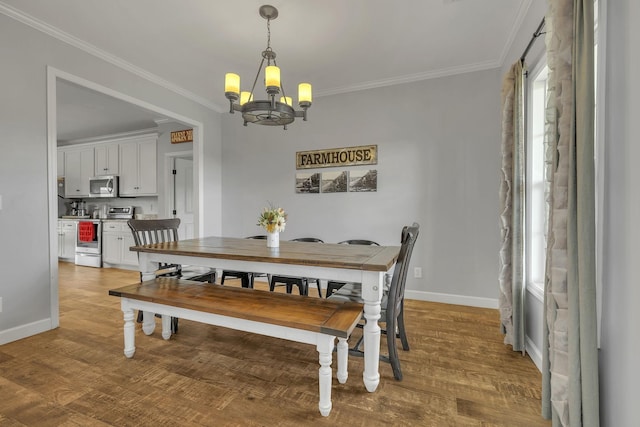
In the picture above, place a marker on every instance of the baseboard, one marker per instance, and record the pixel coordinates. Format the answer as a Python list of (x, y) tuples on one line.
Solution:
[(534, 353), (24, 331), (452, 299)]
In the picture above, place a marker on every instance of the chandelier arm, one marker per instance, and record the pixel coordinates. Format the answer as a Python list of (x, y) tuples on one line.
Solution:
[(256, 79)]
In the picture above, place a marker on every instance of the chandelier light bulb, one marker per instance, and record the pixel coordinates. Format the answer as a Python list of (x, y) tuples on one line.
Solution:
[(286, 100), (232, 83), (304, 94), (245, 97), (272, 76)]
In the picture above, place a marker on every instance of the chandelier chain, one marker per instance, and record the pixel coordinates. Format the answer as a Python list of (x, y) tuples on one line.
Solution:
[(268, 34)]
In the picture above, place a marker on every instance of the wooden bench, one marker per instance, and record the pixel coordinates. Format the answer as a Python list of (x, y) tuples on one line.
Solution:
[(292, 317)]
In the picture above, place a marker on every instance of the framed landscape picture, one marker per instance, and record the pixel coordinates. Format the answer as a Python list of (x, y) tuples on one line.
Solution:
[(363, 180), (307, 182), (335, 182)]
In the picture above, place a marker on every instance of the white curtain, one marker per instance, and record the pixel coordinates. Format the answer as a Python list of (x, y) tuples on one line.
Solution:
[(512, 201), (570, 358)]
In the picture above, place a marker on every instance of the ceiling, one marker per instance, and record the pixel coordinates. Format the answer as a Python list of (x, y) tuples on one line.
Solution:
[(337, 45)]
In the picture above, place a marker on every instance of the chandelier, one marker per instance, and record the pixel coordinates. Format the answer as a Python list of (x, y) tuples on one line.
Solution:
[(270, 112)]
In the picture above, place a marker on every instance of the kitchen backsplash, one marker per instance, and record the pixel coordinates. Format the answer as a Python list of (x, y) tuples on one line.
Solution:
[(142, 205)]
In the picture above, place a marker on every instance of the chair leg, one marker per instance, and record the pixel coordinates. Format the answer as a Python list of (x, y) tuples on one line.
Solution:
[(245, 280), (303, 285), (402, 334), (393, 351), (355, 350), (319, 288), (174, 325)]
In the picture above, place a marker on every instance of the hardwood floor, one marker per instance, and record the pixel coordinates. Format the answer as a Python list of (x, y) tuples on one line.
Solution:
[(457, 373)]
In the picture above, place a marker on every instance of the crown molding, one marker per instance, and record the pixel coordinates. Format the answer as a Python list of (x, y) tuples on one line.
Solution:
[(111, 137), (515, 29), (410, 78), (54, 32)]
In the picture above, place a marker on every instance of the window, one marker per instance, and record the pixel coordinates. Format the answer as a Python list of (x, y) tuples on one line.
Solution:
[(536, 225), (536, 214)]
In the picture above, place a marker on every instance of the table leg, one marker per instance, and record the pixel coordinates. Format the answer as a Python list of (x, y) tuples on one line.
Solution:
[(166, 326), (129, 330), (343, 360), (372, 286), (148, 322), (325, 349), (147, 272)]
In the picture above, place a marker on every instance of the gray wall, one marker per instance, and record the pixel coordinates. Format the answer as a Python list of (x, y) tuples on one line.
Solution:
[(25, 284), (438, 147), (620, 339)]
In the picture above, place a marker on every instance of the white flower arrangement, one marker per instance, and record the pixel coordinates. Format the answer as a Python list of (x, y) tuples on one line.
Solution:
[(273, 219)]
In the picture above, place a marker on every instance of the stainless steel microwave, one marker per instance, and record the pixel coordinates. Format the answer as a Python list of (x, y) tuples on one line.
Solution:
[(103, 186)]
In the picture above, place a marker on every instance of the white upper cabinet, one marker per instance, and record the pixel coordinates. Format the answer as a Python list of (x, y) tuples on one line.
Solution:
[(78, 168), (106, 159), (138, 167), (132, 158)]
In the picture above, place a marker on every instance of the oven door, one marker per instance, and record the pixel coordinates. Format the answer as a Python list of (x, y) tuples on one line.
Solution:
[(89, 237)]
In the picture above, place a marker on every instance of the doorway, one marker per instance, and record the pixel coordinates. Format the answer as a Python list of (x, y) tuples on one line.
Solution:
[(53, 75), (180, 192)]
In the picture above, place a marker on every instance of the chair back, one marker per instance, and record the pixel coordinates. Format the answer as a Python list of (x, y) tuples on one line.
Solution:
[(359, 242), (398, 282), (148, 231), (259, 237), (307, 239)]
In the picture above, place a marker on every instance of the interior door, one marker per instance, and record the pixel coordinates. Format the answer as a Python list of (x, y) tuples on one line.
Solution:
[(183, 196)]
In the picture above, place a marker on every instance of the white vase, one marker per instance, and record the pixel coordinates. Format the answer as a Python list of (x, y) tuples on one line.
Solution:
[(273, 239)]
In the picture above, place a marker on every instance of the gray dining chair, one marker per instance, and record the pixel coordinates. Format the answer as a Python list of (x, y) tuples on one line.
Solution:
[(246, 277), (332, 285), (301, 282), (392, 306), (149, 231)]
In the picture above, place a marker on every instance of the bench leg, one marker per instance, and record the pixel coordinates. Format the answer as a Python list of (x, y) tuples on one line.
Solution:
[(148, 322), (129, 331), (166, 326), (343, 359), (325, 349)]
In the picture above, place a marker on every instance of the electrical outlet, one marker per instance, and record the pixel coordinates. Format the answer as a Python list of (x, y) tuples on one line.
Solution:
[(417, 272)]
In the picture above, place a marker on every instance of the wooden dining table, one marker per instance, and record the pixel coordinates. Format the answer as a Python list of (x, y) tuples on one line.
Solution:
[(344, 263)]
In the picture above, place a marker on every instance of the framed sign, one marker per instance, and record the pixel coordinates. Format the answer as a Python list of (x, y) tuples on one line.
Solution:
[(180, 136), (334, 157)]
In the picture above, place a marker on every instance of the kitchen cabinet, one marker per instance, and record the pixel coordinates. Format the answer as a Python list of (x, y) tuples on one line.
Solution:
[(106, 159), (78, 168), (67, 239), (138, 167), (116, 241)]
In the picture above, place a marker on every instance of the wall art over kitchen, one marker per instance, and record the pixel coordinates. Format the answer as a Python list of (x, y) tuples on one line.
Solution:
[(180, 136)]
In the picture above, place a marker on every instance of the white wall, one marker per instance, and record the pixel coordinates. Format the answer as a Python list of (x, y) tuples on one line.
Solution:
[(620, 339), (25, 283), (438, 147)]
